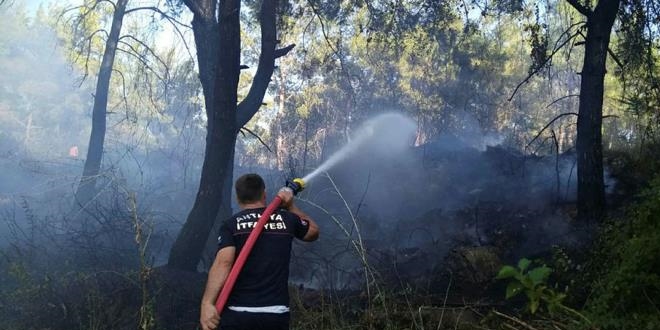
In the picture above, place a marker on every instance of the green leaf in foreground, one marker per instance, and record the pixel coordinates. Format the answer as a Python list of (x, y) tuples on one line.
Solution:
[(513, 289), (507, 272)]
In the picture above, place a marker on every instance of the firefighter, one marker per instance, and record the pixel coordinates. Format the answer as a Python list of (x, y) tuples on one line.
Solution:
[(260, 297)]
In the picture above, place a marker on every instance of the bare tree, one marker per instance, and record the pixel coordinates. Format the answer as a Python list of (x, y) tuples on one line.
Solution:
[(86, 188), (115, 42)]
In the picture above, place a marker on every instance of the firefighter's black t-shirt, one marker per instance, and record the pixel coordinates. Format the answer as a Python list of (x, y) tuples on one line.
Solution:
[(263, 281)]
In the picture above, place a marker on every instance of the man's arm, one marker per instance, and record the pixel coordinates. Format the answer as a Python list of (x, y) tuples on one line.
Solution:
[(224, 259), (286, 195), (313, 231)]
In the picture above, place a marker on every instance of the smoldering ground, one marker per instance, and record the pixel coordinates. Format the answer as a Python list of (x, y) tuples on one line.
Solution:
[(410, 209)]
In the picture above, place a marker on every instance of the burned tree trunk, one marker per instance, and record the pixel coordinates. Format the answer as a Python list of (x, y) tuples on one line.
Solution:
[(218, 53), (591, 186), (87, 186)]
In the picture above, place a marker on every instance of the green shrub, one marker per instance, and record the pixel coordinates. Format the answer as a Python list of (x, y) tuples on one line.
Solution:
[(531, 282), (626, 292)]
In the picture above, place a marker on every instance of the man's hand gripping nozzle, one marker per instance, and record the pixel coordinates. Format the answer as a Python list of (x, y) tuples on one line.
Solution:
[(296, 185)]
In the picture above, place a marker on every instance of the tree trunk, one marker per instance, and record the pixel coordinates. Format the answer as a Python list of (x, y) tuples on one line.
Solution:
[(219, 73), (221, 129), (87, 186), (591, 187)]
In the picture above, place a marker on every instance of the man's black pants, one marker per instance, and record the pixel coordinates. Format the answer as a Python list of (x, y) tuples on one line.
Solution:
[(232, 320)]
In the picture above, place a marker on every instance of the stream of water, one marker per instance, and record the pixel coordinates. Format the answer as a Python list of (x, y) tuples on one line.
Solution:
[(385, 134)]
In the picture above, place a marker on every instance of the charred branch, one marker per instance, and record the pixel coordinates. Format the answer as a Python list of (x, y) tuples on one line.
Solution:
[(559, 117), (141, 58)]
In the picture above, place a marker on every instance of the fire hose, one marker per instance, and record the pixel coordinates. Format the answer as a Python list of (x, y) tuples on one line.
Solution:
[(296, 186)]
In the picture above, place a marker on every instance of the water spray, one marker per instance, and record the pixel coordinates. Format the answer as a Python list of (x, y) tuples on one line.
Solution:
[(386, 134)]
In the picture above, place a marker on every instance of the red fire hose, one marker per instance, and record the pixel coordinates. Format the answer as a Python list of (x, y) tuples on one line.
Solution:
[(245, 251)]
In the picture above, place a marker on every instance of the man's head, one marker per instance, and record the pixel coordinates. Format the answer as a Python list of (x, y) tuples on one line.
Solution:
[(250, 188)]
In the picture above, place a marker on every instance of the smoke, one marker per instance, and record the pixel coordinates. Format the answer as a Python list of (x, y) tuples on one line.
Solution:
[(43, 115), (45, 123), (385, 135), (415, 205), (412, 204)]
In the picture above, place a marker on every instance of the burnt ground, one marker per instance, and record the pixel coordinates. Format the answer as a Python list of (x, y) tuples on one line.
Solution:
[(433, 240)]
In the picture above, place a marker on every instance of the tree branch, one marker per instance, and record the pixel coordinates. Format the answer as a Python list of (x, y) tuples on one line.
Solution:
[(123, 86), (159, 11), (178, 31), (283, 51), (256, 136), (133, 52), (580, 7), (114, 5), (557, 118), (88, 53), (175, 23), (549, 124), (561, 98), (252, 102), (536, 70), (335, 51), (167, 71), (615, 58)]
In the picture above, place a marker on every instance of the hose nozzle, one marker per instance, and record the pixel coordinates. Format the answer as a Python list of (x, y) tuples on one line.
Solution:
[(297, 185)]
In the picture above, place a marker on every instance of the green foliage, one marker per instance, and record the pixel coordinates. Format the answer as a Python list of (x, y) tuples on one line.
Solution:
[(627, 286), (539, 42), (533, 283)]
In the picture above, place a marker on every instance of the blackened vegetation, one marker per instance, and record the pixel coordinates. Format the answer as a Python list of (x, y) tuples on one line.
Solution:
[(56, 275), (436, 225), (439, 221)]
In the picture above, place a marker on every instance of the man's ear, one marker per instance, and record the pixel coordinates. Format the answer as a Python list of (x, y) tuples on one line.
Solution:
[(263, 196)]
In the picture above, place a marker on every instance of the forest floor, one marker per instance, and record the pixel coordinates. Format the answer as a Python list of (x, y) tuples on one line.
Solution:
[(435, 284)]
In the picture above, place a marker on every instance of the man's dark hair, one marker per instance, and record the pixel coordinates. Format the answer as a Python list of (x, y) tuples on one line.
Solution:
[(249, 188)]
